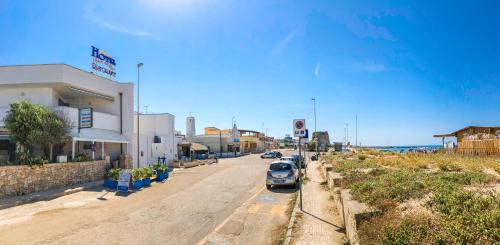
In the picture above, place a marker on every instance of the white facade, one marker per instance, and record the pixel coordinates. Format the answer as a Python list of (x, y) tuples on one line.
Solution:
[(161, 126), (66, 89), (190, 127)]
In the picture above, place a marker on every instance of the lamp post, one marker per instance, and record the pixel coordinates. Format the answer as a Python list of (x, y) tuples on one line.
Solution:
[(315, 133), (138, 113)]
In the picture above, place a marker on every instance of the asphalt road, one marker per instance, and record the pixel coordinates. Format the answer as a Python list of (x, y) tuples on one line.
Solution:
[(223, 203)]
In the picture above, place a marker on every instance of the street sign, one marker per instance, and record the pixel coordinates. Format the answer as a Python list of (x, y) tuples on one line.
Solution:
[(299, 127), (124, 181), (306, 136)]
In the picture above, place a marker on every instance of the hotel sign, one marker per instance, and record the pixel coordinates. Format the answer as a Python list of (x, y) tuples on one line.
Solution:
[(86, 118), (103, 62)]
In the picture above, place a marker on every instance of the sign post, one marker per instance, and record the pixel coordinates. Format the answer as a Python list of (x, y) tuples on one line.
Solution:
[(123, 181), (299, 130)]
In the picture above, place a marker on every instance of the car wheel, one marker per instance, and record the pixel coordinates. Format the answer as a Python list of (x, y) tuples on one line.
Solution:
[(268, 187)]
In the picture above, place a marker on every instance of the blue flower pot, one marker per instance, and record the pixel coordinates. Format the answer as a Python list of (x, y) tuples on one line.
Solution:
[(146, 182), (111, 184), (161, 177), (137, 184)]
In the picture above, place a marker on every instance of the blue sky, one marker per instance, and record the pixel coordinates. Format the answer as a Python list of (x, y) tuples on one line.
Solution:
[(408, 70)]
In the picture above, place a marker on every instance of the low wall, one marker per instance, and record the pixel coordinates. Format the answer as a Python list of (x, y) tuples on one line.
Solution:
[(23, 179)]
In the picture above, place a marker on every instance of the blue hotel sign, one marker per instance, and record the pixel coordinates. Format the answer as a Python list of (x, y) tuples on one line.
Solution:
[(103, 62)]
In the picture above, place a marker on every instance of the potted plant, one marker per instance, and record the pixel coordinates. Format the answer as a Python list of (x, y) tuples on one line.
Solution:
[(147, 174), (137, 178), (161, 171), (112, 180)]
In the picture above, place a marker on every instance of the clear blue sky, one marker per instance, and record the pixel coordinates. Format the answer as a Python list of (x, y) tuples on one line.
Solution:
[(408, 70)]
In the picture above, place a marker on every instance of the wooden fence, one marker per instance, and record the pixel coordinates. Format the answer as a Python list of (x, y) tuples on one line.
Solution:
[(479, 147)]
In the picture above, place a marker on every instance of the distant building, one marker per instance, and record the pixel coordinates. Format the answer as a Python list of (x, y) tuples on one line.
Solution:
[(220, 141), (323, 139), (474, 140), (190, 127), (251, 141)]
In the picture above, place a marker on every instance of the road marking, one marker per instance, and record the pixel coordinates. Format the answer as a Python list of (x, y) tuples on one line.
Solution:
[(254, 208), (204, 240), (278, 209)]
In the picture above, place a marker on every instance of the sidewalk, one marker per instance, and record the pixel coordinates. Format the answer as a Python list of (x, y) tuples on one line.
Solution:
[(319, 222)]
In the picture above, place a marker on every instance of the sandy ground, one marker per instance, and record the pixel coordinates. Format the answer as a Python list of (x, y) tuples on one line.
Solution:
[(224, 203)]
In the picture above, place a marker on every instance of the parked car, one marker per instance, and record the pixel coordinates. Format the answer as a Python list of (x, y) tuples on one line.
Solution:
[(277, 153), (282, 173), (290, 159), (301, 159), (268, 155), (212, 155)]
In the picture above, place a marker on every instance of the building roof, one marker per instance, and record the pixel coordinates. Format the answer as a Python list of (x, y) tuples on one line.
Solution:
[(454, 134), (198, 147)]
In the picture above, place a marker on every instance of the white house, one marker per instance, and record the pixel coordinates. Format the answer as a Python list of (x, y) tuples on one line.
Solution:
[(73, 92), (157, 138)]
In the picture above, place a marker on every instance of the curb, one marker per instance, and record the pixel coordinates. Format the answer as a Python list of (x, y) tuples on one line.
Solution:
[(47, 195), (288, 234)]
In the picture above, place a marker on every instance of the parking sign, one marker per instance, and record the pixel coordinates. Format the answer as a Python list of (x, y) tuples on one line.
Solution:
[(299, 127)]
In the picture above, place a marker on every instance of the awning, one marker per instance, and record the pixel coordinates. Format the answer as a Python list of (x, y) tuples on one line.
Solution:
[(98, 135), (198, 147)]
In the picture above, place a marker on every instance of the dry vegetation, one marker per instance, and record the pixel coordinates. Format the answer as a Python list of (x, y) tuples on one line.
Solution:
[(424, 198)]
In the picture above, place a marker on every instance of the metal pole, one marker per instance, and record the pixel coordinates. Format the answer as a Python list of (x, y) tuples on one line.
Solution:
[(315, 132), (138, 113), (300, 177), (356, 131)]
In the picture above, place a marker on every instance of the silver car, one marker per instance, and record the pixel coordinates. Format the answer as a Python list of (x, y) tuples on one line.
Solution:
[(282, 173)]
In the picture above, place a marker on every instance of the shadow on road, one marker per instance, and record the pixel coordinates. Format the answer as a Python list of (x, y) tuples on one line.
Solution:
[(283, 189), (339, 229)]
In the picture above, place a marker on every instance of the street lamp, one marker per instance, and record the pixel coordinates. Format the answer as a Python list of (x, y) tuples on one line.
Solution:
[(138, 113), (315, 133)]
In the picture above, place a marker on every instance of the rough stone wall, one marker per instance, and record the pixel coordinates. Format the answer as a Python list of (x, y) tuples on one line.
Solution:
[(21, 180)]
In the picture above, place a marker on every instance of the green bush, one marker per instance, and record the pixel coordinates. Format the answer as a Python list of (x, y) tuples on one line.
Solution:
[(114, 173), (137, 174), (82, 157), (468, 217), (160, 168), (362, 157), (147, 172), (26, 158)]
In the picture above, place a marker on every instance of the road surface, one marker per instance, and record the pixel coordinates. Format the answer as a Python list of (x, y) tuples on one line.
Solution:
[(224, 203)]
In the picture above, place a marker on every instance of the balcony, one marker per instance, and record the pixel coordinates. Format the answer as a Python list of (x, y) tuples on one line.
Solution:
[(101, 120)]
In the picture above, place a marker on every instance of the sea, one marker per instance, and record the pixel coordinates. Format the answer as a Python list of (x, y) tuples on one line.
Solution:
[(406, 149)]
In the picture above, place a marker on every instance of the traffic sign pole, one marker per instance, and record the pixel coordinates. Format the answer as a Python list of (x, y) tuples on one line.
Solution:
[(300, 176)]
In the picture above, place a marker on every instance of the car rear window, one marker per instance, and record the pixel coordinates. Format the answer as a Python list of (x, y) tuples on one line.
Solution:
[(280, 166)]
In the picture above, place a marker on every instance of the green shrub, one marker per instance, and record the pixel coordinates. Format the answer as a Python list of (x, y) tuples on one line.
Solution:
[(27, 159), (82, 157), (114, 173), (137, 174), (468, 217), (147, 172), (362, 157), (450, 166), (160, 168)]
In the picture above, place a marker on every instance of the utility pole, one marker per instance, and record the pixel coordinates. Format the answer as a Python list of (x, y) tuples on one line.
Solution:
[(347, 132), (356, 130), (315, 132), (138, 113)]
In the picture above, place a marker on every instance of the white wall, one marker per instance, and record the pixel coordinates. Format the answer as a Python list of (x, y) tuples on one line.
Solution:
[(39, 84), (162, 125)]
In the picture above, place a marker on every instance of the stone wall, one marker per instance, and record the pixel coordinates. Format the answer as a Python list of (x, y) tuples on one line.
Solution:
[(21, 180)]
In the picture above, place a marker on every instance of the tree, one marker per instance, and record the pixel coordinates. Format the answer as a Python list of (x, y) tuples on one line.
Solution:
[(35, 125)]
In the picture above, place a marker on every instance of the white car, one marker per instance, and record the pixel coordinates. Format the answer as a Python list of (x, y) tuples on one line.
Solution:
[(282, 173)]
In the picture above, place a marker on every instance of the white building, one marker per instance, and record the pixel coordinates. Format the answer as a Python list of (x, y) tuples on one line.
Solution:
[(157, 138), (190, 127), (67, 89)]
